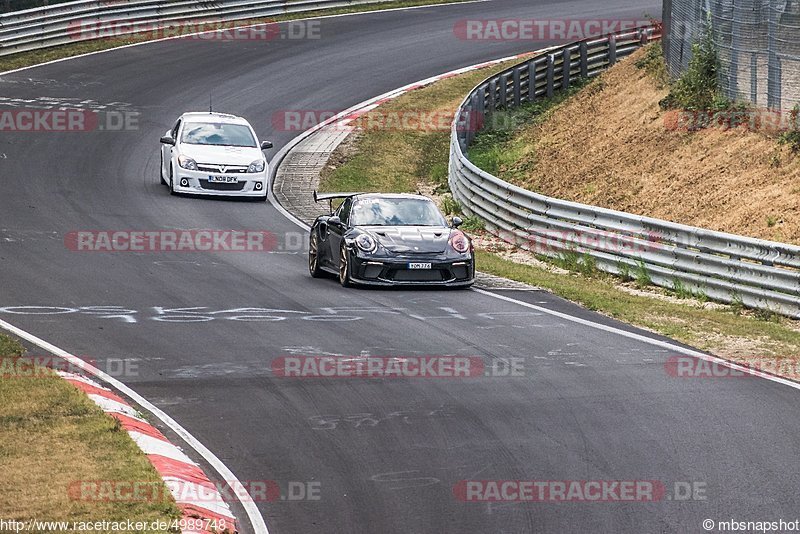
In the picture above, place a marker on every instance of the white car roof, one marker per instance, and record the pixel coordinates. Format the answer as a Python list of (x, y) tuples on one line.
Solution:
[(196, 116)]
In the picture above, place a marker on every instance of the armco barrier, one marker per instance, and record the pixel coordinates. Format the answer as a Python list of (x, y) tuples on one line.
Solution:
[(725, 267), (60, 24)]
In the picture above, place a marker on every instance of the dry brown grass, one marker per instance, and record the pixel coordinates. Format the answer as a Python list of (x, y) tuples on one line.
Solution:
[(52, 435), (626, 159)]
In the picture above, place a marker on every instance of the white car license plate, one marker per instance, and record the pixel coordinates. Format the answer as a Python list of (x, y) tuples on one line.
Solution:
[(223, 179), (419, 265)]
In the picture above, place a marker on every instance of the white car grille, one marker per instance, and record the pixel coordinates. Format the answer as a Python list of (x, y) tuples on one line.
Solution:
[(222, 169)]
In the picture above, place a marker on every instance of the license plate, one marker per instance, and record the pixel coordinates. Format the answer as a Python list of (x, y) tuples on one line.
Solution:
[(419, 266), (223, 179)]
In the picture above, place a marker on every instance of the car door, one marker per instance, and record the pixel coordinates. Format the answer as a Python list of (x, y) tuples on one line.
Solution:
[(167, 151), (336, 231)]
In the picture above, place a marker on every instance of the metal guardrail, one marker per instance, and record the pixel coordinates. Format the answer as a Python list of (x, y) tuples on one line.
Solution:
[(724, 267), (59, 24)]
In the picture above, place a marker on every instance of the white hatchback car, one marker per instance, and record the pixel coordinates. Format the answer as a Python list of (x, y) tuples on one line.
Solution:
[(214, 154)]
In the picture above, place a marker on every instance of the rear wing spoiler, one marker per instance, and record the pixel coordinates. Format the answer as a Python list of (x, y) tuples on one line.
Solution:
[(330, 197)]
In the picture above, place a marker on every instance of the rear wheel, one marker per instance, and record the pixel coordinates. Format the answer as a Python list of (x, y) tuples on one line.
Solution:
[(344, 268), (313, 255)]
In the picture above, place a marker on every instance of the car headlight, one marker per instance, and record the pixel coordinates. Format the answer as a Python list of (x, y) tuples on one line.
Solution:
[(366, 243), (459, 241), (256, 166), (187, 163)]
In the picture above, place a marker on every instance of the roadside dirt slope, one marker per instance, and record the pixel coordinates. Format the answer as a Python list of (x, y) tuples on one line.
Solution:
[(610, 146)]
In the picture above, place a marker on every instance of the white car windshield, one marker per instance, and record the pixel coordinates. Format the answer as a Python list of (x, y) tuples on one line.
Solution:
[(396, 212), (221, 134)]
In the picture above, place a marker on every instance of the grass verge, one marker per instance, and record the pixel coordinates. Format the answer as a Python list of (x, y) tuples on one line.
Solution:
[(54, 435), (26, 59), (411, 160)]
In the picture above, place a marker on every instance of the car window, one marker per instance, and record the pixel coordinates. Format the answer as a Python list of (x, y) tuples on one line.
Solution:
[(396, 212), (344, 210), (175, 129), (219, 134)]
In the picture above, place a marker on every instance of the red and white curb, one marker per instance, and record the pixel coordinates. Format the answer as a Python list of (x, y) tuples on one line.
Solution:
[(196, 496)]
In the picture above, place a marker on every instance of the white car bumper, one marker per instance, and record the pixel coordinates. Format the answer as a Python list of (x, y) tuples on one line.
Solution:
[(197, 183)]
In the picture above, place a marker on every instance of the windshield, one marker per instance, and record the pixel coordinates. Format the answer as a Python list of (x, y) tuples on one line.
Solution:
[(396, 212), (220, 134)]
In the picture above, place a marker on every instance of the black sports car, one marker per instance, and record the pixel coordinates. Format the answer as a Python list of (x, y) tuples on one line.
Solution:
[(389, 239)]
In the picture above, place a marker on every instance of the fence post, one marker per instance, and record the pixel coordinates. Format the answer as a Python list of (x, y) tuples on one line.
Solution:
[(566, 68), (531, 81), (517, 88), (612, 50), (584, 48), (550, 72), (492, 94), (481, 113), (504, 91)]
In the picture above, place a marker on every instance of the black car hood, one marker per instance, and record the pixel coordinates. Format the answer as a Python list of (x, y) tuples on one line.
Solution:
[(411, 239)]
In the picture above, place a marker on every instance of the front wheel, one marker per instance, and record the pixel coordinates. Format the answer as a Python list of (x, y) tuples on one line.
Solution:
[(161, 170), (344, 268), (171, 184), (313, 255)]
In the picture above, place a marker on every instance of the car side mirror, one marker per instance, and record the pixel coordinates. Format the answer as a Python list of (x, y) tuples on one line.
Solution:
[(334, 220), (266, 145), (456, 222), (167, 140)]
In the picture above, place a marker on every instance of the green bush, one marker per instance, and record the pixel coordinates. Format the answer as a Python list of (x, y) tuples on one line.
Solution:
[(792, 136), (698, 89), (653, 63)]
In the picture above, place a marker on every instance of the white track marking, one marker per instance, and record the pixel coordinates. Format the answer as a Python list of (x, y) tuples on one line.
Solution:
[(257, 522), (591, 324), (644, 339)]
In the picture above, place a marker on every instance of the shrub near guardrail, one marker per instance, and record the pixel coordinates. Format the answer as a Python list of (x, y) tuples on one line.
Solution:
[(755, 273)]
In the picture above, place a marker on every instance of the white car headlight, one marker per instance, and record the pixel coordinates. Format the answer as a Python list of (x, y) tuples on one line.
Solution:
[(187, 163), (366, 243), (256, 166)]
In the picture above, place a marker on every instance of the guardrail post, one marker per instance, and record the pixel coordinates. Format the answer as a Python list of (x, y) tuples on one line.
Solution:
[(551, 67), (504, 91), (492, 94), (566, 67), (480, 113), (531, 81), (584, 48), (612, 50), (517, 88), (473, 118)]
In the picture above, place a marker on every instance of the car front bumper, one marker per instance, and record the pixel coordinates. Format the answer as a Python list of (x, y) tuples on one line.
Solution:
[(379, 271), (197, 183)]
